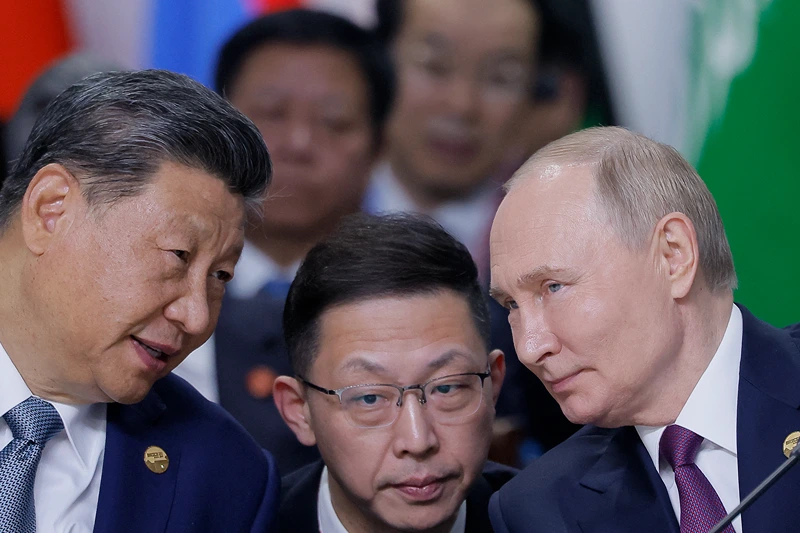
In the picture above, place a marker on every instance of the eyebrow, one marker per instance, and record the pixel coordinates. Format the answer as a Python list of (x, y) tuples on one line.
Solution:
[(527, 278), (360, 363), (447, 357)]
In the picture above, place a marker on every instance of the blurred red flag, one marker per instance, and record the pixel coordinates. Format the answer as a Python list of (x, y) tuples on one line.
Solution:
[(32, 34), (270, 6)]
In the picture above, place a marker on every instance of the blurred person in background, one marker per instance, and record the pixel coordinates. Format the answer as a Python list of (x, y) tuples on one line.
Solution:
[(47, 85), (570, 92), (464, 68), (319, 89), (387, 329), (466, 73)]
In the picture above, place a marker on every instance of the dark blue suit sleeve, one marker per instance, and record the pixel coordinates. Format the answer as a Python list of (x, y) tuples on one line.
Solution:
[(496, 514), (265, 520)]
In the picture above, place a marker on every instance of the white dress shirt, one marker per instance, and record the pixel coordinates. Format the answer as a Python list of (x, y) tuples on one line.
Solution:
[(67, 485), (329, 521), (710, 412), (253, 271)]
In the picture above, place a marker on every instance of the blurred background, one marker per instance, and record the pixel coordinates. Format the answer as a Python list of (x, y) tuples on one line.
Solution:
[(717, 79)]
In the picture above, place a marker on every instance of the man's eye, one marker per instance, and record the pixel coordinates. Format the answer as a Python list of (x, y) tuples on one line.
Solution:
[(223, 276), (183, 255), (554, 287), (368, 399), (446, 388)]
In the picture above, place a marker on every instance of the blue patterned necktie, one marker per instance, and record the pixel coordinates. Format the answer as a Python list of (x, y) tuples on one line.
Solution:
[(32, 422)]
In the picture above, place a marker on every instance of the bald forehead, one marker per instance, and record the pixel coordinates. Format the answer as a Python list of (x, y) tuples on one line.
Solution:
[(550, 174)]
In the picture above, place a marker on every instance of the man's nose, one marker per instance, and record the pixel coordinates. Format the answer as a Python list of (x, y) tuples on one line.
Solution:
[(534, 340), (414, 430), (191, 309)]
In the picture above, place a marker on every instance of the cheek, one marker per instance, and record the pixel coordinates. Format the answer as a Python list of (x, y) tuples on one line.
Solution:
[(357, 458), (347, 162), (501, 120)]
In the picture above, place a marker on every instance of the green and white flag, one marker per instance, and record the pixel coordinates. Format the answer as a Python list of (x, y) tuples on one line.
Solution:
[(719, 80)]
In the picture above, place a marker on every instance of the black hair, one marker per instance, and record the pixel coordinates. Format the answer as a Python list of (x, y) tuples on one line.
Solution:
[(375, 256), (305, 27), (569, 40), (113, 130)]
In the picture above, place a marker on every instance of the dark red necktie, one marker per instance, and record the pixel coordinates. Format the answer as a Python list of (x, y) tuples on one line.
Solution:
[(701, 507)]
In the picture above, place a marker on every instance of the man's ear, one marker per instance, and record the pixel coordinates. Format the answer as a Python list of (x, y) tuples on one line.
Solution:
[(497, 367), (49, 206), (291, 403), (678, 252)]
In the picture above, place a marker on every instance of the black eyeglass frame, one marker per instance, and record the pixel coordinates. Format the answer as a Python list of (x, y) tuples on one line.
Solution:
[(420, 386)]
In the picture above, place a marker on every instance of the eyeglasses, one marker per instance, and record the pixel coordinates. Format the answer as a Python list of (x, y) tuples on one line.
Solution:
[(506, 78), (449, 399)]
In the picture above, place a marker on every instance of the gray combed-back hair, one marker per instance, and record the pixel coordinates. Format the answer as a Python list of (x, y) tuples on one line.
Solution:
[(638, 181)]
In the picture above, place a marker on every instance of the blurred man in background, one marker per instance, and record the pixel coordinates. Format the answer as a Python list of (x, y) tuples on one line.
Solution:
[(465, 68), (388, 333), (466, 74), (319, 89), (570, 92), (47, 85)]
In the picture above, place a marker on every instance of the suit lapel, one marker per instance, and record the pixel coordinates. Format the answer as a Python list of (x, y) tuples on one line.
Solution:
[(132, 498), (298, 510), (769, 398), (478, 507), (623, 492)]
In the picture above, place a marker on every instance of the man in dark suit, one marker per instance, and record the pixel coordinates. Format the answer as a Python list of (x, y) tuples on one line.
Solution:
[(319, 88), (120, 225), (611, 255), (387, 330)]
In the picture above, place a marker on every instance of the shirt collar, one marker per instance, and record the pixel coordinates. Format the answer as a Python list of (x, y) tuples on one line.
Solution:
[(254, 270), (329, 522), (84, 424), (710, 410)]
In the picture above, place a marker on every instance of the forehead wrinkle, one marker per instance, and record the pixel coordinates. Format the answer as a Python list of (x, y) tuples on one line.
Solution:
[(448, 357), (538, 273), (362, 363)]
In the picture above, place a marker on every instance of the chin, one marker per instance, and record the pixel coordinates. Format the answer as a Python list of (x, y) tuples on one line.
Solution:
[(421, 521), (580, 412), (127, 395)]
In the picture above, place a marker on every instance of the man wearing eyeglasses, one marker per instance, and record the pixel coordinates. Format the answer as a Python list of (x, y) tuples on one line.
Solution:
[(387, 330)]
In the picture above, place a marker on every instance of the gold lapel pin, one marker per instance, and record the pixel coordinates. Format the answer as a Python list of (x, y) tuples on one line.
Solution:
[(790, 442), (156, 460)]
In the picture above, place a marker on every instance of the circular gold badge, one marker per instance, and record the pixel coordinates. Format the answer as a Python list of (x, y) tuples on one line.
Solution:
[(156, 459), (790, 442)]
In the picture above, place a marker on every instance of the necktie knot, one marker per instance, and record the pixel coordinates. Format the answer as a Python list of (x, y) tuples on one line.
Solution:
[(679, 446), (34, 420)]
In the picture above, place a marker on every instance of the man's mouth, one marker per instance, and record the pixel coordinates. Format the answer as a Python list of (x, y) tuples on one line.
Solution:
[(421, 489), (157, 351)]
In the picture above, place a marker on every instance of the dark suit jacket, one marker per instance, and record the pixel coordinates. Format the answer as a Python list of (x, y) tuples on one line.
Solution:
[(298, 511), (218, 479), (250, 334), (603, 480)]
